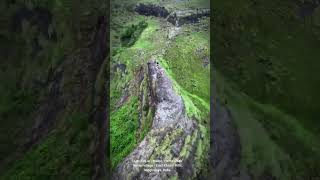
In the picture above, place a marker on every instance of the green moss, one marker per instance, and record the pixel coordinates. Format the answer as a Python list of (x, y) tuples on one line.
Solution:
[(185, 151), (188, 143), (146, 123), (164, 149)]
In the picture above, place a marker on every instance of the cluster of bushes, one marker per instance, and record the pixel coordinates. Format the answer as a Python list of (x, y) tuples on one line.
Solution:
[(132, 33)]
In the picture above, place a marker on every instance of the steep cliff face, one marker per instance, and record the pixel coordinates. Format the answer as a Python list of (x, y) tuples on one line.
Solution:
[(170, 128), (54, 72)]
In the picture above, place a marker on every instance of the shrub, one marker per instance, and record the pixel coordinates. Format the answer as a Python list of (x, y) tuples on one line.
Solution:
[(132, 33)]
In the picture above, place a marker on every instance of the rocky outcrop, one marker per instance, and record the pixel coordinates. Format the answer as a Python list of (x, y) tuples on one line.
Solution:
[(170, 107), (151, 10), (173, 136), (181, 17), (177, 18), (225, 146)]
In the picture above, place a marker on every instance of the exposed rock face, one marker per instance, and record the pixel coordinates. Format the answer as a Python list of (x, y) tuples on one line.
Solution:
[(173, 32), (181, 17), (151, 10), (177, 18), (167, 138), (225, 146), (170, 106)]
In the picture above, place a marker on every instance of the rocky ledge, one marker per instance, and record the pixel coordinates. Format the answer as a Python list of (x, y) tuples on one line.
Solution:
[(173, 135), (151, 10), (177, 17), (181, 17)]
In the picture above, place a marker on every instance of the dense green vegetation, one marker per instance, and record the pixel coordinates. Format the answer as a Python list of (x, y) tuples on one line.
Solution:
[(36, 38), (65, 147), (29, 56), (132, 33), (187, 58), (266, 60), (123, 130), (143, 40), (124, 82), (185, 63), (15, 106), (137, 39)]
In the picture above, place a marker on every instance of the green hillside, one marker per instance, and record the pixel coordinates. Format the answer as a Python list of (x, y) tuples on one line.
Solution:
[(48, 75), (136, 40), (265, 56)]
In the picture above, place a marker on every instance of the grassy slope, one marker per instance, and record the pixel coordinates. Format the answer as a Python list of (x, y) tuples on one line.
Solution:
[(150, 43), (183, 63), (58, 155), (271, 60), (19, 94), (124, 121)]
